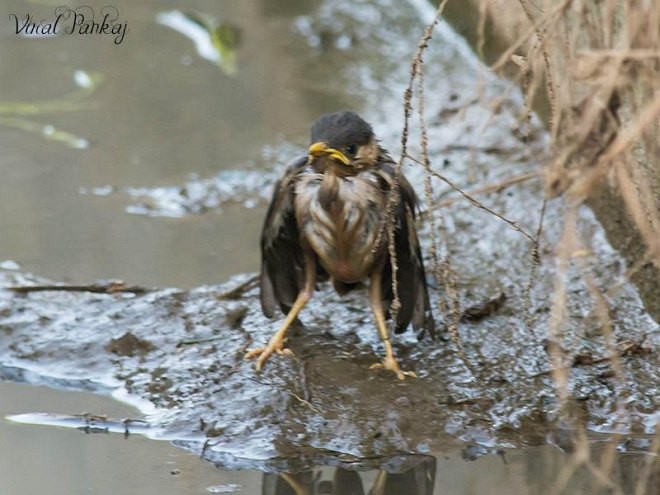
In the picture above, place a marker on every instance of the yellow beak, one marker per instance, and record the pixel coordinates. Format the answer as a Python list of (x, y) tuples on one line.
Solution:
[(320, 148)]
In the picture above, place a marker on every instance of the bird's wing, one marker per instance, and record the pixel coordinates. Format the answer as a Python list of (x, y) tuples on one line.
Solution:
[(282, 263), (411, 278)]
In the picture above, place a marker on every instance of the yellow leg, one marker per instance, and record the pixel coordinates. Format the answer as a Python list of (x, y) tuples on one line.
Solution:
[(390, 362), (378, 487), (276, 343), (297, 487)]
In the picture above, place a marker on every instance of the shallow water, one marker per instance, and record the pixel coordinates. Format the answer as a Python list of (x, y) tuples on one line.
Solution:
[(70, 462), (164, 116), (40, 459), (160, 114)]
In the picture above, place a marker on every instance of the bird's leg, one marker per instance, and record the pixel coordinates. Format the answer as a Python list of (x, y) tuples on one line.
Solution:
[(276, 343), (390, 362), (378, 488), (296, 485)]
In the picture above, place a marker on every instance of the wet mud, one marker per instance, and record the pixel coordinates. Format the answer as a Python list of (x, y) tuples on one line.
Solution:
[(182, 351), (179, 353)]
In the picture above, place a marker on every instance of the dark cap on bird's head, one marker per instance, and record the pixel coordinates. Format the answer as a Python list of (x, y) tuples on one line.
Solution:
[(339, 135), (341, 129)]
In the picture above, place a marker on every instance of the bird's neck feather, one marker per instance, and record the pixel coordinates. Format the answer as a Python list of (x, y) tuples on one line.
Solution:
[(329, 192)]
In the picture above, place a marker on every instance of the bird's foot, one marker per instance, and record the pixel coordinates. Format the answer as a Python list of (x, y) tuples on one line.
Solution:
[(263, 353), (389, 363)]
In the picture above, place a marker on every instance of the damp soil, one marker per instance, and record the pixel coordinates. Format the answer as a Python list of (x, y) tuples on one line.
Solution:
[(177, 353)]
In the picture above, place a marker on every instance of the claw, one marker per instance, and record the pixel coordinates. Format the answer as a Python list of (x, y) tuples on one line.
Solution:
[(254, 353), (263, 353), (391, 365)]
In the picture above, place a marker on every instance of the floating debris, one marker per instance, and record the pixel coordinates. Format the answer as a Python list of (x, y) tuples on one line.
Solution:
[(215, 42), (12, 114), (10, 265)]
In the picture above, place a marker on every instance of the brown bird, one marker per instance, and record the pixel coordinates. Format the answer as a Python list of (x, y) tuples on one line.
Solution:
[(328, 219)]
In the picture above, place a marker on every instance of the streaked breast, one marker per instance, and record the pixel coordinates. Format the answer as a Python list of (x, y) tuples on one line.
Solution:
[(342, 220)]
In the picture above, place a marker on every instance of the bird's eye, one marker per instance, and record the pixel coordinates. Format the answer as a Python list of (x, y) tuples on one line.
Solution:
[(351, 149)]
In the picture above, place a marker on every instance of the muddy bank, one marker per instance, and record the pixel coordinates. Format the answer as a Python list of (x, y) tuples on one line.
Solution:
[(179, 354)]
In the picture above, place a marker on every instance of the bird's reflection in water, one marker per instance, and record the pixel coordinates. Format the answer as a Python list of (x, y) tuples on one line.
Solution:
[(416, 478)]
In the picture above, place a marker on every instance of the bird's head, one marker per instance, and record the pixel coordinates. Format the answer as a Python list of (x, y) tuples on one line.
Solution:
[(344, 142)]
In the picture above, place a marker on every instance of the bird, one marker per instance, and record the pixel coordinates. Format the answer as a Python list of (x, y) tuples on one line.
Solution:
[(328, 220)]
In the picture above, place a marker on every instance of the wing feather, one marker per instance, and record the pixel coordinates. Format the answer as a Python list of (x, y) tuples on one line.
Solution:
[(411, 277), (282, 260)]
